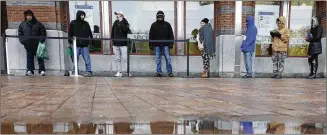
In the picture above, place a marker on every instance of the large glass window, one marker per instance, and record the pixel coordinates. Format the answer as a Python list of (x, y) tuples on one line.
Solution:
[(195, 12), (266, 14), (300, 24), (141, 15), (92, 11)]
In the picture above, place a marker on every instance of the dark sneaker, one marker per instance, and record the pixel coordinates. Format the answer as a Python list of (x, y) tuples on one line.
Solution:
[(309, 75), (158, 75), (312, 77), (246, 76), (29, 73), (274, 76), (279, 77), (171, 75), (88, 74)]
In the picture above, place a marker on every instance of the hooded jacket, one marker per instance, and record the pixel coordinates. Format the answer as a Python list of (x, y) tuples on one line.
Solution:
[(31, 28), (161, 30), (206, 35), (315, 42), (248, 45), (80, 28), (120, 30), (281, 43)]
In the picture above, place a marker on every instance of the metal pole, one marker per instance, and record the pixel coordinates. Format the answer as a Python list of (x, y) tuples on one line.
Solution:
[(188, 59), (75, 57), (7, 54), (128, 51)]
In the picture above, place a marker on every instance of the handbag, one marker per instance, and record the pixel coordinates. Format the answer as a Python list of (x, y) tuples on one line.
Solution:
[(200, 45)]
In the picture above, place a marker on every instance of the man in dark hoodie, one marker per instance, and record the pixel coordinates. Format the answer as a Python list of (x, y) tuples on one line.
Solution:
[(162, 30), (248, 45), (32, 27), (81, 28)]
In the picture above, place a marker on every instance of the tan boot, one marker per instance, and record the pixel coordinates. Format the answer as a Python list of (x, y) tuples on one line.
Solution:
[(204, 74)]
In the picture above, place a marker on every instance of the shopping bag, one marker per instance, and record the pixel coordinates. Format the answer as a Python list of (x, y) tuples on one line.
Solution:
[(69, 51), (42, 52)]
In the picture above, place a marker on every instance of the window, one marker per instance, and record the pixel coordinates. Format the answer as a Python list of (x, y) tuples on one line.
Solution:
[(195, 12), (266, 14), (92, 11), (141, 15), (300, 24)]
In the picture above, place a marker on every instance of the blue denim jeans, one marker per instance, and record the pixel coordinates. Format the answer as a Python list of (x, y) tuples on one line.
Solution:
[(84, 51), (165, 50), (248, 62)]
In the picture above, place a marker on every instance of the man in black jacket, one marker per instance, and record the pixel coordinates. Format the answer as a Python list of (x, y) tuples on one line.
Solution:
[(162, 30), (81, 28), (315, 48), (32, 27), (120, 30)]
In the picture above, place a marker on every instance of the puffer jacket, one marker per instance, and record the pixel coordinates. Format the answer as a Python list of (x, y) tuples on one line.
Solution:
[(281, 43), (315, 42)]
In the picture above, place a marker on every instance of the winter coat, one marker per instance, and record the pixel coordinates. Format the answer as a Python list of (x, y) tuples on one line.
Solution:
[(281, 43), (31, 28), (161, 30), (206, 38), (120, 30), (315, 46), (80, 28), (248, 45)]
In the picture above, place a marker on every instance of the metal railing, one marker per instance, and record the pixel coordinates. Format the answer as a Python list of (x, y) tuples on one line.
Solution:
[(75, 48)]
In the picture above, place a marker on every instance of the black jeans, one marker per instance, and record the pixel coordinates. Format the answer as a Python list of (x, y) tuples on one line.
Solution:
[(30, 62), (313, 63)]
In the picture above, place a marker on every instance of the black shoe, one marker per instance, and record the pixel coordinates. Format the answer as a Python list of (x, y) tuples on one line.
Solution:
[(170, 75), (158, 75), (312, 76), (279, 77), (309, 75), (274, 76), (246, 76)]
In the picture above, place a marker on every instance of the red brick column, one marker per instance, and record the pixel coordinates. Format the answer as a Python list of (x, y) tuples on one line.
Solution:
[(225, 15), (248, 9), (321, 14)]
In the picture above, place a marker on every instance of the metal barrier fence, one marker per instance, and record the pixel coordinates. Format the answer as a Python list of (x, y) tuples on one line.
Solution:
[(75, 48)]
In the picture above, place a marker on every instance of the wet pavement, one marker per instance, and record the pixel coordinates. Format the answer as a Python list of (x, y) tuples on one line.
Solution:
[(162, 105)]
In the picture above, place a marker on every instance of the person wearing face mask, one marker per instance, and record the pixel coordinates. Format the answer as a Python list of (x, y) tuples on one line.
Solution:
[(32, 27), (280, 40), (206, 45), (315, 48), (162, 30), (81, 29), (120, 30)]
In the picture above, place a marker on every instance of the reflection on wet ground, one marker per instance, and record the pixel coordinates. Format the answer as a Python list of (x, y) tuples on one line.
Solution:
[(161, 127), (161, 105)]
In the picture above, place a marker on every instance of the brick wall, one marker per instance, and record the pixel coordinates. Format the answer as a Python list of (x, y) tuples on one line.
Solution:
[(4, 22), (50, 13), (248, 9), (321, 14), (225, 15)]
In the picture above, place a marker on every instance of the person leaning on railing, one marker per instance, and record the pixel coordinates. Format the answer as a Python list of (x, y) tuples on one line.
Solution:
[(32, 27)]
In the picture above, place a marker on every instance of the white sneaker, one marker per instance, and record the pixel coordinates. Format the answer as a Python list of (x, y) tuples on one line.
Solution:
[(119, 74), (42, 73), (29, 73)]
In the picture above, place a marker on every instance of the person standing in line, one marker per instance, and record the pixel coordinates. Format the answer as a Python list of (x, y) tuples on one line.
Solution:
[(206, 45), (32, 27), (315, 48), (162, 30), (81, 29), (120, 30), (280, 40), (248, 45)]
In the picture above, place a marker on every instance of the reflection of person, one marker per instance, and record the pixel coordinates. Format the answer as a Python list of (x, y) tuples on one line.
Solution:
[(119, 31), (81, 28), (315, 48), (280, 39), (32, 27), (248, 45), (206, 45), (162, 30)]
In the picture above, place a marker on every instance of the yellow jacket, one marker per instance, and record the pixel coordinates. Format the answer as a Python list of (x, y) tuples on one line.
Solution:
[(281, 44)]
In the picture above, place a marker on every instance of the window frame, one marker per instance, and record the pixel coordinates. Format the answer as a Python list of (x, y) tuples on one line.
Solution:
[(174, 27), (101, 32)]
